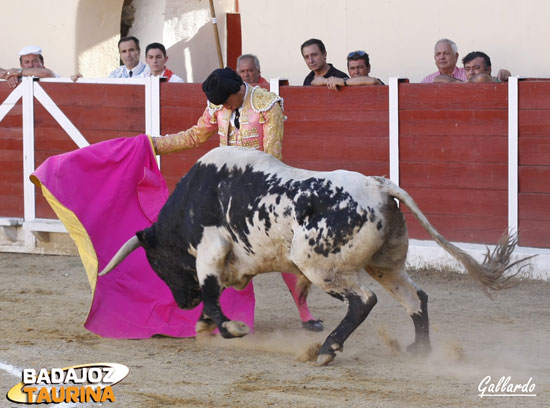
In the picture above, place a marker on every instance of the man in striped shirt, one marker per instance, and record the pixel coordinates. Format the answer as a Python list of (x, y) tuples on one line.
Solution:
[(132, 67)]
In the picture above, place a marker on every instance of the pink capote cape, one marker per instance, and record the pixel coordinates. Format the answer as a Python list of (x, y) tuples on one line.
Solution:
[(104, 194)]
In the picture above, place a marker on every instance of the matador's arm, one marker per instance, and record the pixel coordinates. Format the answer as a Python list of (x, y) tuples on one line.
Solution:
[(273, 131), (187, 139)]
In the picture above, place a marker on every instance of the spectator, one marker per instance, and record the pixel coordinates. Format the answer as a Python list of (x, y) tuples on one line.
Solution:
[(248, 68), (31, 63), (358, 68), (246, 116), (315, 57), (478, 68), (155, 55), (446, 57), (132, 67)]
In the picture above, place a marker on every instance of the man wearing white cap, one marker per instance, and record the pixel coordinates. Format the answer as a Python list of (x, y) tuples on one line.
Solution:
[(32, 64)]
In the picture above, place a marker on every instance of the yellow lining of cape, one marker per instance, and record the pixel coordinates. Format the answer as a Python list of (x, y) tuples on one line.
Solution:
[(77, 232), (152, 145)]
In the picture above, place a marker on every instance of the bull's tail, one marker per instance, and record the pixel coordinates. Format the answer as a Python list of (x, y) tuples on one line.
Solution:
[(492, 273)]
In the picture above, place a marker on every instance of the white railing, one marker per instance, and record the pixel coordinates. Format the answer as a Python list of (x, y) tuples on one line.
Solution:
[(30, 90)]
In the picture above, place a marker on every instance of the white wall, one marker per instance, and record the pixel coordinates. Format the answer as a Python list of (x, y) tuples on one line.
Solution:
[(81, 35), (399, 35), (74, 35), (185, 29), (35, 23), (97, 33)]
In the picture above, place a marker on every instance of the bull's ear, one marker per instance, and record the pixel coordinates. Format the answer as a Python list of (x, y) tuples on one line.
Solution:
[(147, 238)]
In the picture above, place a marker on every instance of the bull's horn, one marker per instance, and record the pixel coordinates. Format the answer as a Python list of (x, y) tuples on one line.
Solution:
[(132, 244)]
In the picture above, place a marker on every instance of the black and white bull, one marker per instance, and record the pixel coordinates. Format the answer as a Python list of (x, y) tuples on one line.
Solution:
[(240, 212)]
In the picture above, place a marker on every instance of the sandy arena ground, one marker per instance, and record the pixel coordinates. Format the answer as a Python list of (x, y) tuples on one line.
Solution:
[(44, 301)]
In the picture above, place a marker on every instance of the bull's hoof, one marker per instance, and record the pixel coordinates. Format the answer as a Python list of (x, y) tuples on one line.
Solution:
[(327, 353), (205, 326), (324, 359), (420, 349), (235, 328)]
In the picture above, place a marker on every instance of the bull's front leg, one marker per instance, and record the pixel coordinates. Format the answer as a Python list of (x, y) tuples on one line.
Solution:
[(212, 311), (205, 324), (211, 257)]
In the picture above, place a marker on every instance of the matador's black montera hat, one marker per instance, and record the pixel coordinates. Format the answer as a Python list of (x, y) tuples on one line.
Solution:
[(220, 84)]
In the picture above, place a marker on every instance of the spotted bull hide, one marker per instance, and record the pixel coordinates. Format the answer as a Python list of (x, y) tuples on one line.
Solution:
[(240, 212)]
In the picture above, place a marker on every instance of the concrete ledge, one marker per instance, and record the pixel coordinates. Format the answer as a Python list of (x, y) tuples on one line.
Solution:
[(41, 228), (10, 222), (17, 239), (44, 225), (9, 227), (428, 254)]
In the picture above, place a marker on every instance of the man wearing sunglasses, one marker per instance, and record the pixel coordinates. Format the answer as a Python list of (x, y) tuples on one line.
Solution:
[(358, 68), (315, 57)]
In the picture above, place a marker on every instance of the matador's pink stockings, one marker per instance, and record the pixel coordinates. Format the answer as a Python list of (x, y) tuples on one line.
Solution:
[(290, 280)]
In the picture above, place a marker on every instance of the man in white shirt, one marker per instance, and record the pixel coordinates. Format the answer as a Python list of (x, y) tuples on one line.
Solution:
[(132, 67), (156, 58)]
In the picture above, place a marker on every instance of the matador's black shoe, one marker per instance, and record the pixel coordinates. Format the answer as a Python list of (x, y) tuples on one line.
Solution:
[(313, 325)]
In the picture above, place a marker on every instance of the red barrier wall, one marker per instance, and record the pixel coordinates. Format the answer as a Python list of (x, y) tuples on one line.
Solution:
[(453, 152), (234, 39), (328, 130), (453, 144), (11, 159), (100, 112), (534, 163), (337, 131)]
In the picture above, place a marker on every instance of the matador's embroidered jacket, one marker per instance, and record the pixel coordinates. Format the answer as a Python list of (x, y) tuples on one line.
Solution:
[(261, 125)]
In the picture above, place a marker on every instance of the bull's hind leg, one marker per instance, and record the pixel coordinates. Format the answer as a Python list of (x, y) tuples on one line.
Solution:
[(360, 301), (415, 301)]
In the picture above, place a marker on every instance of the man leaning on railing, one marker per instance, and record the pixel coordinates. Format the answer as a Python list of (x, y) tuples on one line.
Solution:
[(32, 64)]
